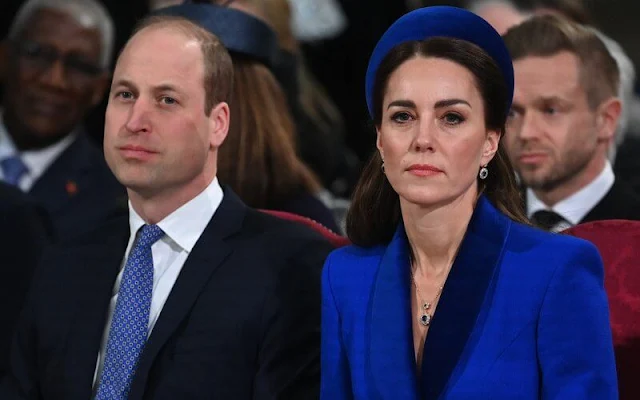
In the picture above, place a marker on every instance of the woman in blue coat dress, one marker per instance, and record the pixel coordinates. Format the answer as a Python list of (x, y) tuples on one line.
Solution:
[(447, 292)]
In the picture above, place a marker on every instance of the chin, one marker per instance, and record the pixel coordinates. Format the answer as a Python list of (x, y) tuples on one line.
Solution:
[(133, 178), (424, 197)]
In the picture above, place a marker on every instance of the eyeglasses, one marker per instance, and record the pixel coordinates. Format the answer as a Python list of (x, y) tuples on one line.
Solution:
[(42, 57)]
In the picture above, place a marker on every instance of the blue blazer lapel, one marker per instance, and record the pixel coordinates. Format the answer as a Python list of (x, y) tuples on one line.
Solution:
[(392, 367), (469, 285)]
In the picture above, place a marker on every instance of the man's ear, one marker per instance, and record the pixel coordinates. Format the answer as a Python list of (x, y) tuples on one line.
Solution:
[(219, 119), (608, 116)]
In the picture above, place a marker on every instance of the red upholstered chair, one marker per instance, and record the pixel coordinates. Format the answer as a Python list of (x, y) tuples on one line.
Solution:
[(334, 238), (619, 245)]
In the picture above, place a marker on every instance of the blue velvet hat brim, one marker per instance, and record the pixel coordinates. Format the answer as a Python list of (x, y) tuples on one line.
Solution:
[(441, 21), (238, 31)]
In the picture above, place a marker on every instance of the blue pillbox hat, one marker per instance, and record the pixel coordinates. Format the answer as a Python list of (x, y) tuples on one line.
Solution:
[(440, 21)]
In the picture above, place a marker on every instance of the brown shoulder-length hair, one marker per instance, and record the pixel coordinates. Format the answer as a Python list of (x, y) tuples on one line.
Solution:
[(375, 210), (258, 159)]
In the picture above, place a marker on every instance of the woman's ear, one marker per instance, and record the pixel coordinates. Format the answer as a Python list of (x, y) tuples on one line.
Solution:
[(490, 146), (379, 143)]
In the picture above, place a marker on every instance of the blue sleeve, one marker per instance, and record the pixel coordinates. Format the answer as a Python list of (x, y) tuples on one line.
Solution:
[(335, 377), (575, 346)]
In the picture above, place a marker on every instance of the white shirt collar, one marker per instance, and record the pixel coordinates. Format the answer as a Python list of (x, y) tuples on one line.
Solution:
[(185, 225), (575, 207), (36, 161)]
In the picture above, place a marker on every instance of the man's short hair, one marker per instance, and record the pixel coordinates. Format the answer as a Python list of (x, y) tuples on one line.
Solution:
[(548, 35), (88, 13), (218, 67)]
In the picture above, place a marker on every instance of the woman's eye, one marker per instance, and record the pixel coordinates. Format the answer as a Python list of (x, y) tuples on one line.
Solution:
[(401, 117), (453, 118)]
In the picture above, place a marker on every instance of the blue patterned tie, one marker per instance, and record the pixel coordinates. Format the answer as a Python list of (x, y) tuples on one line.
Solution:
[(130, 324), (13, 169)]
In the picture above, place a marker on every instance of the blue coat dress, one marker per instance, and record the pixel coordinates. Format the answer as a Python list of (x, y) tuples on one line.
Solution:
[(523, 315)]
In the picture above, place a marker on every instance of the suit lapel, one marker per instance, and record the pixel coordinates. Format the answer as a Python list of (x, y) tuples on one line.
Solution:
[(59, 182), (208, 254), (96, 274), (620, 202), (463, 297), (391, 364)]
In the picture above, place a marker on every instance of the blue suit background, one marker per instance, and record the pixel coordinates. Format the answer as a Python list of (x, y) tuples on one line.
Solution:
[(523, 315)]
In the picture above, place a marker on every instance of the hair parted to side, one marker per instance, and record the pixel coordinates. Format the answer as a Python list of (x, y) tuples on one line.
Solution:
[(575, 10), (258, 159), (375, 210), (548, 35), (218, 67)]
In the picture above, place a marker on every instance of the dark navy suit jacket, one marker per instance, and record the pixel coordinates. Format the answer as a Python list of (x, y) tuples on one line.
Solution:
[(241, 322), (78, 190), (523, 315), (24, 233)]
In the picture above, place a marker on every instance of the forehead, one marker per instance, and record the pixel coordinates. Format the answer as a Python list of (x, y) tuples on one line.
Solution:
[(431, 79), (162, 55), (61, 30), (556, 75)]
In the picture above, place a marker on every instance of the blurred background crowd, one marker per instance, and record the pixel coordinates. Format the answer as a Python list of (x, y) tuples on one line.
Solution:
[(300, 130)]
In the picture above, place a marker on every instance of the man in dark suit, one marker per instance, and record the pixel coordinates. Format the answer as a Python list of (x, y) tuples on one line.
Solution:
[(197, 296), (56, 69), (564, 115), (24, 232)]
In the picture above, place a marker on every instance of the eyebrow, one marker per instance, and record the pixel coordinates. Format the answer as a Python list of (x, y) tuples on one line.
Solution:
[(402, 103), (439, 104), (122, 82), (451, 102), (165, 87), (551, 99)]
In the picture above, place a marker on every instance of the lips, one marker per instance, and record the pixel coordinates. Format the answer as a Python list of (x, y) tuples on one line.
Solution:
[(532, 158), (48, 108), (136, 152), (424, 170)]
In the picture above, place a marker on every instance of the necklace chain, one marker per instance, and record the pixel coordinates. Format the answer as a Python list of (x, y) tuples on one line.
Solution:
[(426, 315)]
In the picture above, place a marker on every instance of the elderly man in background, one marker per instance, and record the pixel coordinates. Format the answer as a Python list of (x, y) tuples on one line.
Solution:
[(56, 69)]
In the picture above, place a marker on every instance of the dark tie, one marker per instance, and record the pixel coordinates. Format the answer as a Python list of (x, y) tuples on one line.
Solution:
[(546, 219), (129, 328)]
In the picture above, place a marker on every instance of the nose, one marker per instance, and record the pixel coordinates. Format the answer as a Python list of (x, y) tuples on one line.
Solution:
[(529, 128), (423, 139), (138, 118), (55, 76)]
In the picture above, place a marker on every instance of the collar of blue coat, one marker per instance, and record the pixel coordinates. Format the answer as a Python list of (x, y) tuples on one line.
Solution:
[(239, 32), (461, 308), (440, 21)]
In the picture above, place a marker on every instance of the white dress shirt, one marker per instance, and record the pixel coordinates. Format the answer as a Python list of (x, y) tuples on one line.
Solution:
[(575, 207), (36, 161), (182, 230)]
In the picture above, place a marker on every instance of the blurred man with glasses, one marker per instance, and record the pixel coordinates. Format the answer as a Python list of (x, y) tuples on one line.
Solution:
[(55, 66)]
